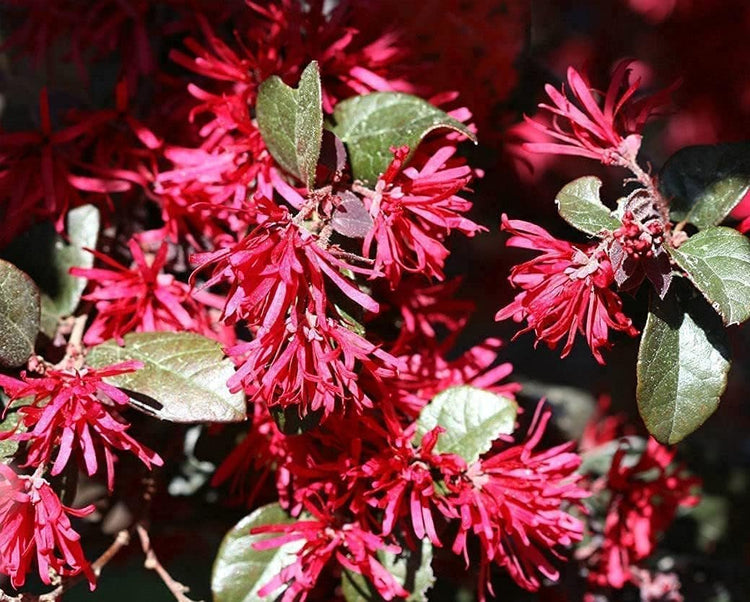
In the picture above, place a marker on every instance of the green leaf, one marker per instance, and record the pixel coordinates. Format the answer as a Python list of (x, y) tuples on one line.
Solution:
[(472, 419), (19, 315), (579, 204), (291, 122), (48, 265), (83, 231), (9, 422), (704, 183), (683, 363), (717, 261), (412, 569), (239, 570), (371, 124), (184, 375)]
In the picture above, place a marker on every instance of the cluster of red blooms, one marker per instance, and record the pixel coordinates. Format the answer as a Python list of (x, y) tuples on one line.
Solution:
[(295, 290), (69, 413), (568, 289), (641, 493), (377, 490)]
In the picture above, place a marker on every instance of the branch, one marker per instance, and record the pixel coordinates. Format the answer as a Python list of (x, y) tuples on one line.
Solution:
[(152, 562)]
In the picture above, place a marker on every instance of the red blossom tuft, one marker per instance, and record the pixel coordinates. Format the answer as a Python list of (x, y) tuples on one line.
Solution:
[(644, 497), (513, 501), (144, 298), (35, 170), (351, 546), (405, 481), (427, 372), (610, 133), (566, 290), (305, 351), (414, 210), (74, 413), (35, 525)]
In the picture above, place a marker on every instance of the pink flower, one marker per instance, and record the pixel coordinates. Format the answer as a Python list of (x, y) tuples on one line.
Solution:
[(144, 299), (349, 545), (34, 524), (75, 412), (414, 210), (513, 501), (644, 498), (610, 133), (565, 290)]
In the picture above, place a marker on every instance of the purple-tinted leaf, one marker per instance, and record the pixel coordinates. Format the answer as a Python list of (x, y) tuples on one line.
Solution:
[(659, 271), (351, 217), (332, 161)]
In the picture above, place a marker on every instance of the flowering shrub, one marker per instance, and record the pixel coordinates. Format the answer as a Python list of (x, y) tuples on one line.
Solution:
[(229, 269)]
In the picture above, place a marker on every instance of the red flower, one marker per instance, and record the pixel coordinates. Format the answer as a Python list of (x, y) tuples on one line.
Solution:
[(513, 502), (144, 299), (35, 524), (405, 481), (644, 498), (309, 361), (565, 290), (425, 311), (427, 372), (414, 210), (350, 63), (123, 153), (75, 412), (305, 350), (612, 133), (35, 170), (349, 545)]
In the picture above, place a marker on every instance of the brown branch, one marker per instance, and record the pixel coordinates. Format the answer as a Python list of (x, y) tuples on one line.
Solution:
[(152, 562)]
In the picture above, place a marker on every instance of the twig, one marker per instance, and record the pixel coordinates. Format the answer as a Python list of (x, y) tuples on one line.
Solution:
[(152, 562)]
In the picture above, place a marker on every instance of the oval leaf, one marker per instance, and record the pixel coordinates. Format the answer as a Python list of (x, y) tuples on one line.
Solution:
[(239, 570), (412, 569), (19, 315), (52, 259), (717, 261), (704, 183), (351, 218), (472, 419), (580, 205), (683, 363), (83, 232), (371, 124), (184, 375), (291, 122)]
